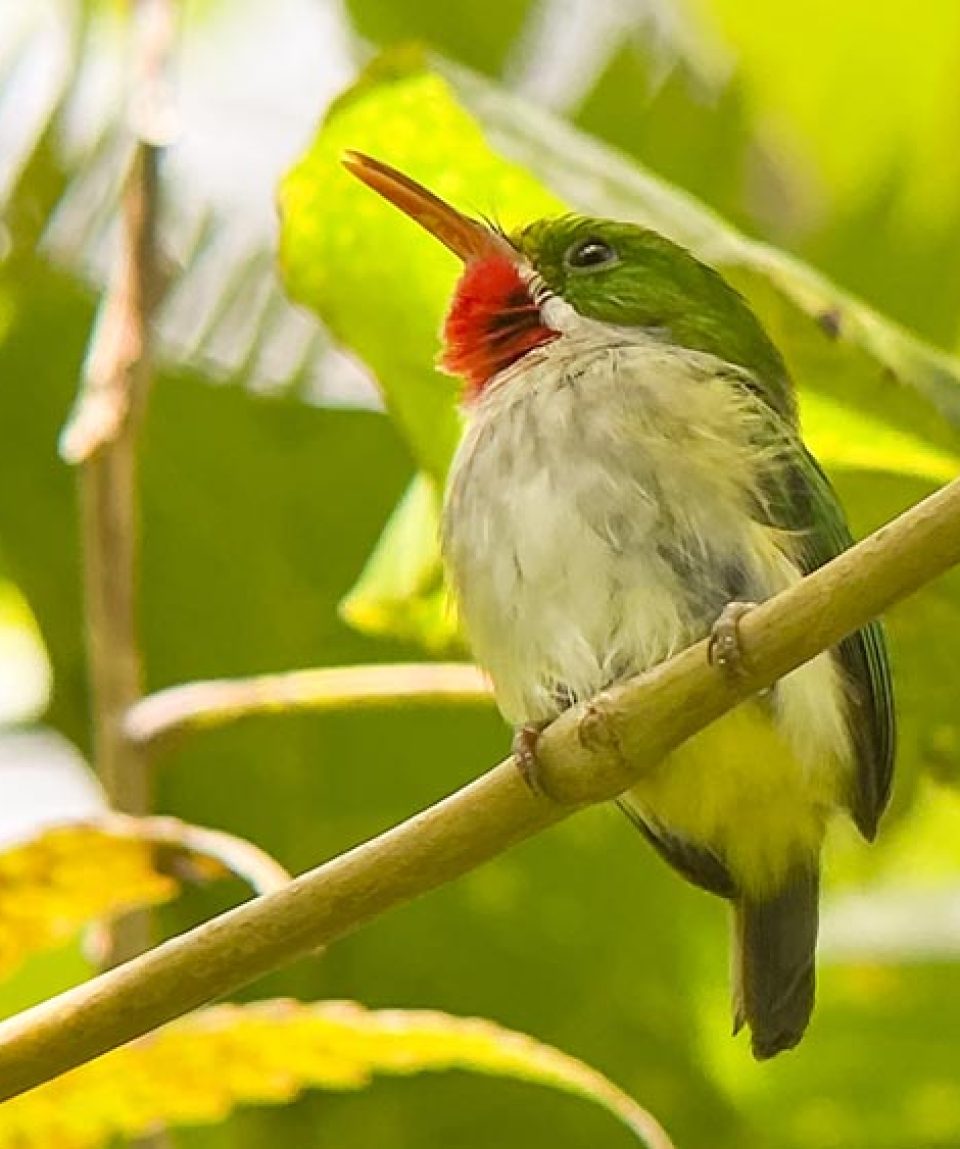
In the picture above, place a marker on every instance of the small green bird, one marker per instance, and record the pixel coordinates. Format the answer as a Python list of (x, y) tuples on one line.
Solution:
[(632, 466)]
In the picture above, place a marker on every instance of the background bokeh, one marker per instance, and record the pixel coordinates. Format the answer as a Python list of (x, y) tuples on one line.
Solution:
[(269, 470)]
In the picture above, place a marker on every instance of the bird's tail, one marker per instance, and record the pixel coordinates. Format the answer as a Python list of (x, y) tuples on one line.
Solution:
[(774, 957)]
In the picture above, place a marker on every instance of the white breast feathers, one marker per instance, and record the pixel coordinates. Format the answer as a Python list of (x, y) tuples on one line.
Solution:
[(601, 510)]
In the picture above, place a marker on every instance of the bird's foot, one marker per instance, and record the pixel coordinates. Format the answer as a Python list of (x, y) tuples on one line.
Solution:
[(525, 741), (724, 649)]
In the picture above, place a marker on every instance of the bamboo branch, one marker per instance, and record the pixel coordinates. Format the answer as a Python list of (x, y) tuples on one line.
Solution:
[(206, 705), (591, 753)]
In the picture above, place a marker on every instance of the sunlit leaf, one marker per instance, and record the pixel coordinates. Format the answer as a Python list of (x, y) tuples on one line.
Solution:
[(24, 668), (841, 437), (55, 884), (198, 1069), (69, 876)]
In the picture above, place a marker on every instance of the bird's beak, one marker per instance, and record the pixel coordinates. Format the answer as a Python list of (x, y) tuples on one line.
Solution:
[(468, 238)]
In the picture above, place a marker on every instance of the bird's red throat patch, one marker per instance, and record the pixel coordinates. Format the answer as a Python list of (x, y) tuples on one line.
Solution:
[(492, 322)]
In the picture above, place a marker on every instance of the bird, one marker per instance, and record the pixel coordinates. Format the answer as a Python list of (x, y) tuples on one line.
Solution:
[(631, 478)]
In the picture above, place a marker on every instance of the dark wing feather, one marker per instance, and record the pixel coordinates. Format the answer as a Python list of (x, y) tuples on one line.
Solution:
[(815, 510), (697, 864)]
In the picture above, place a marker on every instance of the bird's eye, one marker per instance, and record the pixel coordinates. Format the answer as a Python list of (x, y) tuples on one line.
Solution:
[(591, 252)]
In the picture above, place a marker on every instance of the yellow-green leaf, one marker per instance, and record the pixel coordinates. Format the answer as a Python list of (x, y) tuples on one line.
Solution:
[(841, 437), (68, 876), (24, 667), (402, 591), (198, 1069)]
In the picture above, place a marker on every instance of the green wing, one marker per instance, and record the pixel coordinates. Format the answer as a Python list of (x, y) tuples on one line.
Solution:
[(815, 510)]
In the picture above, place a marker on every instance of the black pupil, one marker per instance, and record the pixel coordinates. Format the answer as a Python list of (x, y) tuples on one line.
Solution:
[(592, 252)]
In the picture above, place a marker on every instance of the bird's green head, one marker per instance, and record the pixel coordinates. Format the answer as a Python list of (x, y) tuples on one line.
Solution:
[(610, 272)]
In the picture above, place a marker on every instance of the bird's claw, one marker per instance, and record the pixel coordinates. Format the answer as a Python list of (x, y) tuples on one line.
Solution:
[(725, 650), (525, 741)]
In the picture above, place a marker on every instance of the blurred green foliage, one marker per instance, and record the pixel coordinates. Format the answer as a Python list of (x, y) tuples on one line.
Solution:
[(260, 513), (481, 35)]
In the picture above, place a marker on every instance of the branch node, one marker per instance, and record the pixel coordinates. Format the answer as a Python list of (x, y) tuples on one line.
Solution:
[(597, 728)]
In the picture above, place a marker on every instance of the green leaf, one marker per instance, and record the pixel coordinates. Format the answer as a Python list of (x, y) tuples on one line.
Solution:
[(402, 591), (24, 669), (842, 437), (196, 1070)]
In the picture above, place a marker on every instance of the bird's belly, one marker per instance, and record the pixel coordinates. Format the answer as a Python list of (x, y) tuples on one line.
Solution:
[(587, 542), (740, 789), (555, 612), (557, 615)]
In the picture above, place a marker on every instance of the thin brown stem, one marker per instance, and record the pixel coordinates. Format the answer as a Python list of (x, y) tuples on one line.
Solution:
[(109, 530), (101, 437), (591, 753)]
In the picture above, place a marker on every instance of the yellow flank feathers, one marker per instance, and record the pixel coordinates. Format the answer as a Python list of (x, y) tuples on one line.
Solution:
[(739, 788)]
